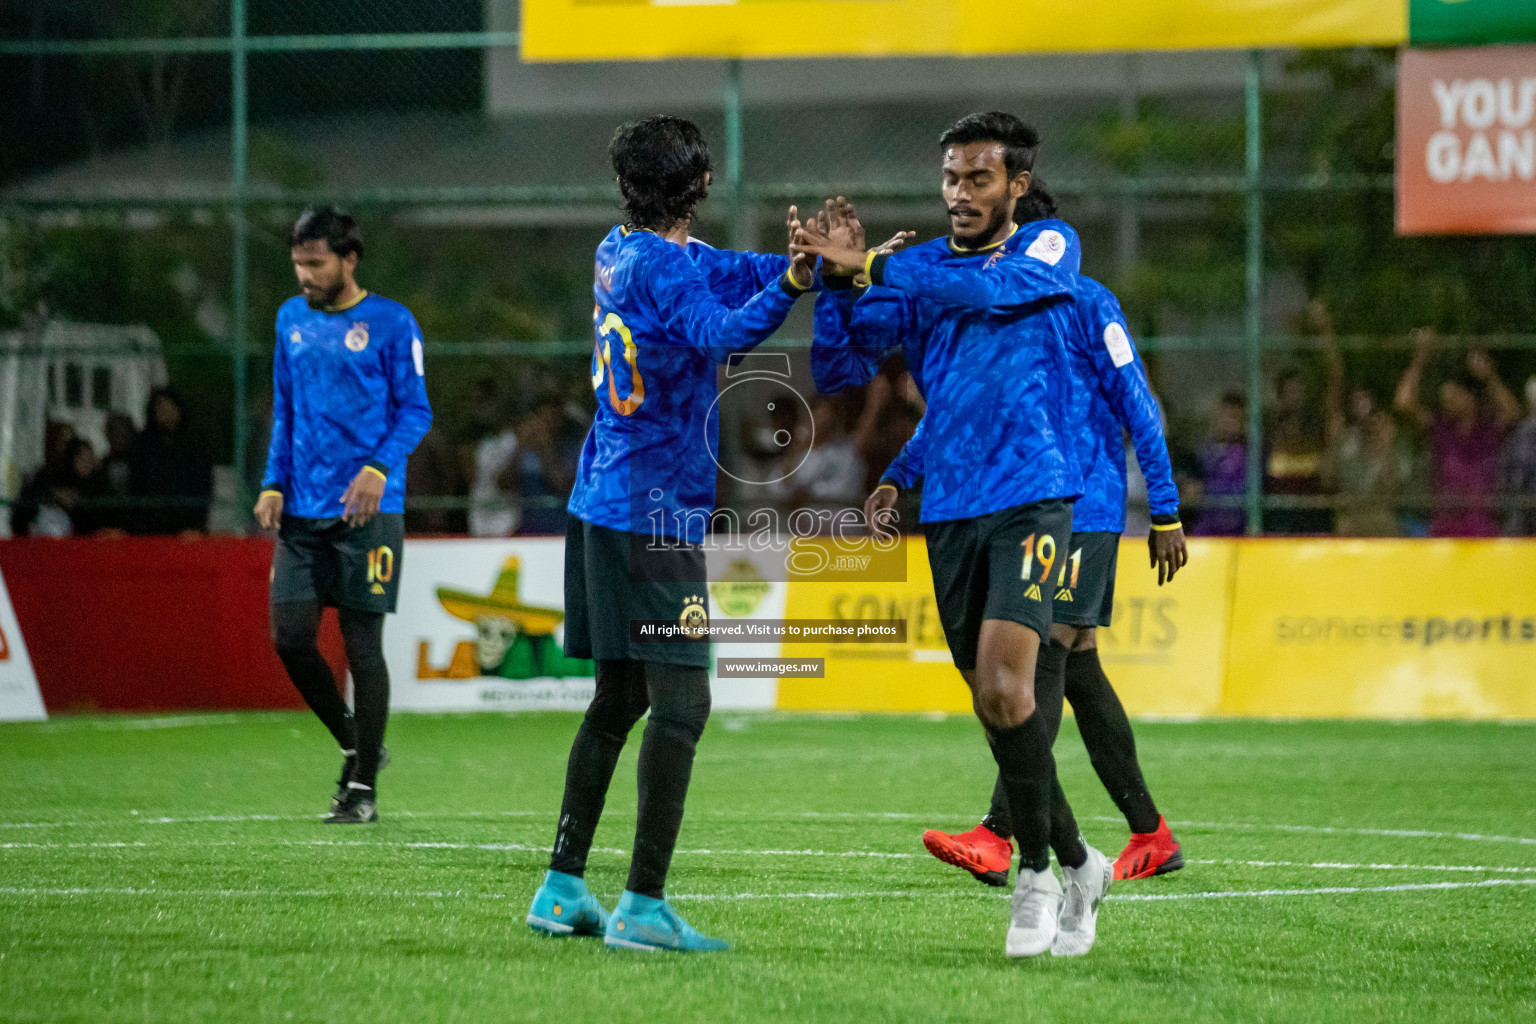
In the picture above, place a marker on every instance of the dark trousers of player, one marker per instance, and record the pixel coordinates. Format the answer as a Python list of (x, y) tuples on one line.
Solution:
[(295, 632), (678, 699), (1106, 732)]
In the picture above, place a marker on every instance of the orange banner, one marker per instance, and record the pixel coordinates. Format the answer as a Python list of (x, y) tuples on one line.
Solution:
[(1466, 141)]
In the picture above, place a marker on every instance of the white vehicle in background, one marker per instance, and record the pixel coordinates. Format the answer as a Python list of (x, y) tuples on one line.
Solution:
[(68, 373)]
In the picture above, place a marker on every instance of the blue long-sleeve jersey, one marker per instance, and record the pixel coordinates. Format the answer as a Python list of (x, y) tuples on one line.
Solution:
[(1110, 393), (647, 464), (348, 391), (987, 355)]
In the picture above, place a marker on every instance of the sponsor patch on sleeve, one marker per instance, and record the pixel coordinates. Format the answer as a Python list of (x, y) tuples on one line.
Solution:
[(1119, 344), (421, 362), (1048, 247)]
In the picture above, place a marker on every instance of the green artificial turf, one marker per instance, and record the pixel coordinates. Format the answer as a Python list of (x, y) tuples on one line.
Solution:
[(173, 869)]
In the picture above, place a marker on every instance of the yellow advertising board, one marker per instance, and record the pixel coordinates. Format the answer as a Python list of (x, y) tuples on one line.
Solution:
[(1166, 651), (1384, 629), (656, 29)]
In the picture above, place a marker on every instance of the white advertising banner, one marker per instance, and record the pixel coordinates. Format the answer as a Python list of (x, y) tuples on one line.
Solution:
[(481, 627), (20, 700)]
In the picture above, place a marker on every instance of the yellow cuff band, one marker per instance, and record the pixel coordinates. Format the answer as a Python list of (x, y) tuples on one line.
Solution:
[(375, 469), (795, 282), (270, 490), (861, 280), (1165, 527), (869, 261), (891, 486)]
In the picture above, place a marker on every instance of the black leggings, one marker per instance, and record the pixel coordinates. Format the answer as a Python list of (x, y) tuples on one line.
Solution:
[(295, 628), (678, 700)]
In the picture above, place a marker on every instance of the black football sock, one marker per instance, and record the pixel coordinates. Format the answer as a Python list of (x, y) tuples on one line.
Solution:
[(1066, 839), (295, 626), (997, 819), (1107, 734), (1050, 667), (362, 634), (1027, 770), (679, 708), (617, 704)]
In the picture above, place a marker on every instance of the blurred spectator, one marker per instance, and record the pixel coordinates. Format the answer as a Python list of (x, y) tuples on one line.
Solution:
[(1224, 469), (1365, 464), (1517, 472), (64, 497), (494, 508), (432, 471), (1294, 451), (116, 469), (169, 470), (834, 472), (543, 469), (1465, 437)]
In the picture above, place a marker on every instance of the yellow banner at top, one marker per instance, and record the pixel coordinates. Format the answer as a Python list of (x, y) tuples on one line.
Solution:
[(555, 30)]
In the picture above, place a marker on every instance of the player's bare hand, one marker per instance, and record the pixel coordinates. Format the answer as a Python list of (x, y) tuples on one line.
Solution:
[(881, 499), (896, 241), (1169, 553), (269, 510), (843, 225), (361, 500)]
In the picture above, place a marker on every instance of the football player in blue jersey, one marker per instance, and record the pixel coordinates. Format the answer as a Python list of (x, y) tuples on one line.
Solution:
[(645, 487), (349, 403), (974, 314), (1110, 397)]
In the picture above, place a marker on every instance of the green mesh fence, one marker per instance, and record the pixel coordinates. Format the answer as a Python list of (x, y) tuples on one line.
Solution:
[(157, 151)]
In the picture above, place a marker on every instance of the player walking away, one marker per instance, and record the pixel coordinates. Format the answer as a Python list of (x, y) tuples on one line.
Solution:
[(974, 314), (349, 403), (1110, 395), (644, 489)]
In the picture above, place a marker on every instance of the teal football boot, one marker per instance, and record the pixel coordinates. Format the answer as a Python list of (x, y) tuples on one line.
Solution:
[(562, 906), (643, 922)]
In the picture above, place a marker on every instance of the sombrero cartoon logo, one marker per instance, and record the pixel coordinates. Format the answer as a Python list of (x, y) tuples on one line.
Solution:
[(512, 640)]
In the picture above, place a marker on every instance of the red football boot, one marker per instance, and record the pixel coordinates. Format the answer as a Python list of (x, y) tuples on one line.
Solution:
[(1149, 853), (980, 851)]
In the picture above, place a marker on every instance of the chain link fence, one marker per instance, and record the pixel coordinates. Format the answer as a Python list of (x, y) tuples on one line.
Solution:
[(1240, 204)]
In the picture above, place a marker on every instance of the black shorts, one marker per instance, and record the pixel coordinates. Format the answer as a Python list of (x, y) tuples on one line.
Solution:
[(1085, 586), (997, 566), (326, 560), (613, 577)]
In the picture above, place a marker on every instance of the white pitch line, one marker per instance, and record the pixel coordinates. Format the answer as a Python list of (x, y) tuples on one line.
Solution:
[(1332, 890), (864, 815), (861, 854), (1364, 867)]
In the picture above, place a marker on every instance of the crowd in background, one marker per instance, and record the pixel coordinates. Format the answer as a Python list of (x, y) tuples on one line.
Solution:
[(158, 480), (1449, 451), (1449, 457)]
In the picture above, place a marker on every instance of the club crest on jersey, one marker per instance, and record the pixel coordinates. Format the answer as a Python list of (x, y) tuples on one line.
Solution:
[(295, 337), (694, 619), (357, 337), (1048, 247)]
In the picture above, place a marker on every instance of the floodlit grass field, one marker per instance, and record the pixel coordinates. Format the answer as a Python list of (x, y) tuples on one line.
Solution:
[(173, 869)]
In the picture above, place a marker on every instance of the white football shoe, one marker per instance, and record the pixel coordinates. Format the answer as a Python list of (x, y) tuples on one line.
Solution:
[(1037, 901), (1085, 888)]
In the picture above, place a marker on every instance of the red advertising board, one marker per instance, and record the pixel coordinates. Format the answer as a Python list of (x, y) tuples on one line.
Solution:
[(1466, 141)]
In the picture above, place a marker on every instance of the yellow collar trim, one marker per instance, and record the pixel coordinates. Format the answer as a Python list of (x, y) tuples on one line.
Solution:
[(362, 293), (956, 247)]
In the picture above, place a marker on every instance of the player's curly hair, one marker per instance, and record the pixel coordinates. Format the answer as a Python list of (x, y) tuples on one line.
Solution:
[(663, 168), (1020, 142), (1036, 204)]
